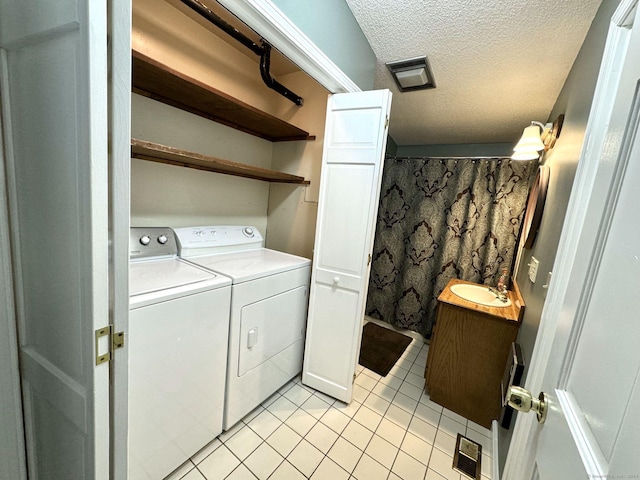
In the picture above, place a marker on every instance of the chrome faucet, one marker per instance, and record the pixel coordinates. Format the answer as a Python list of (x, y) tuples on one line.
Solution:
[(500, 294), (501, 288)]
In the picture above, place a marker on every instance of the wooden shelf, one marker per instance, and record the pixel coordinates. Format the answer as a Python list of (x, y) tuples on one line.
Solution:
[(155, 152), (160, 82)]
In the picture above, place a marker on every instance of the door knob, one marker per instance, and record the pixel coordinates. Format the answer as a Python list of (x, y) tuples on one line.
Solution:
[(522, 400)]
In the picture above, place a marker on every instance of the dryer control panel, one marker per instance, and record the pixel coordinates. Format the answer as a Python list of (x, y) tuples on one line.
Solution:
[(217, 239)]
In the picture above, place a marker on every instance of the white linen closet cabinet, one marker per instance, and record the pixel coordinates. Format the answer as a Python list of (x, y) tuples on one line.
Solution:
[(353, 153)]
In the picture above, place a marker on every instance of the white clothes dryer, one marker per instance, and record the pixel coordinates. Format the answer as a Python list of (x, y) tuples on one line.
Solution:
[(178, 329), (269, 301)]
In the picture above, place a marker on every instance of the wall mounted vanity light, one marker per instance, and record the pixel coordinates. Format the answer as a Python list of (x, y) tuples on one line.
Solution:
[(412, 74), (536, 138)]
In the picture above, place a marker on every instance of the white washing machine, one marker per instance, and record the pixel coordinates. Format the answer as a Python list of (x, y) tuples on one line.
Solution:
[(178, 328), (269, 301)]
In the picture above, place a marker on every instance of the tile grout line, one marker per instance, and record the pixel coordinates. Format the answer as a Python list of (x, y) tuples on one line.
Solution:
[(299, 407), (406, 430), (352, 418), (407, 377), (317, 420)]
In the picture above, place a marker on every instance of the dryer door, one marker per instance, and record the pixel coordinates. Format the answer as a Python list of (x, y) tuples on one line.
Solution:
[(269, 326)]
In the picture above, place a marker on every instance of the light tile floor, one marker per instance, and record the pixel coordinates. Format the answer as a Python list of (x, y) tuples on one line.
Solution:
[(391, 430)]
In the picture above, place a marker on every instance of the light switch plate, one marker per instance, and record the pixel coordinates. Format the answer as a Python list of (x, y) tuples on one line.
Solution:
[(533, 269)]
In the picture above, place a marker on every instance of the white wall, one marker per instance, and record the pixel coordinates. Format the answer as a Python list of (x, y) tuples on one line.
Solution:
[(167, 195), (293, 209)]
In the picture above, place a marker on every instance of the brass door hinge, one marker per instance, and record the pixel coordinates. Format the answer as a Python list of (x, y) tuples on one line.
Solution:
[(115, 341), (369, 261), (386, 122)]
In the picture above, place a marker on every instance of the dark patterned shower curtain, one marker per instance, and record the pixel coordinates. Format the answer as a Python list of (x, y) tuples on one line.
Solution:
[(441, 219)]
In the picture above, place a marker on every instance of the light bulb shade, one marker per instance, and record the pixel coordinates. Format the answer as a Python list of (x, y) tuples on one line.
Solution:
[(530, 140), (525, 155)]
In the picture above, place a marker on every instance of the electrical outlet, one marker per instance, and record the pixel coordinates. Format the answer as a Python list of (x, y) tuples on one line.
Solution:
[(533, 269)]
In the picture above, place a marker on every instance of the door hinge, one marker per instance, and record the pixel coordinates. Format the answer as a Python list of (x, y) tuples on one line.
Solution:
[(115, 341), (386, 122), (369, 260), (118, 340)]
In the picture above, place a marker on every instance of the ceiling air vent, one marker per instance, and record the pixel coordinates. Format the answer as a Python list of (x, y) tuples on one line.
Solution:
[(412, 74)]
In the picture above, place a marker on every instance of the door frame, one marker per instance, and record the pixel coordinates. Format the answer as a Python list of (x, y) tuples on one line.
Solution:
[(11, 421), (597, 166), (119, 51)]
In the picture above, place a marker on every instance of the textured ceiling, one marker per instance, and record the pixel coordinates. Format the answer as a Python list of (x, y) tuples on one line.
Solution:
[(497, 64)]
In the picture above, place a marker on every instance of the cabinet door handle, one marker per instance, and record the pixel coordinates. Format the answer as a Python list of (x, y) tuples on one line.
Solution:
[(336, 280)]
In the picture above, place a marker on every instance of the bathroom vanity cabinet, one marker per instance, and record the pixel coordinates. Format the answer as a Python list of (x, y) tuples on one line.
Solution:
[(468, 353)]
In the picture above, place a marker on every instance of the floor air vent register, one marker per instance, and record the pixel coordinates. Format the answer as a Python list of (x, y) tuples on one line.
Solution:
[(467, 457)]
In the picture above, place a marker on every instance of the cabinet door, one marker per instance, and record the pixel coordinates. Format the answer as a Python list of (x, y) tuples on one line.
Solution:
[(355, 140)]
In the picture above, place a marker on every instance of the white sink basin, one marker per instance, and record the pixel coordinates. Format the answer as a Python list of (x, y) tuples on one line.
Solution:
[(478, 294)]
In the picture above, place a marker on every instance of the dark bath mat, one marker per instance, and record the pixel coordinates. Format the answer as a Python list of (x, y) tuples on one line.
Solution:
[(381, 348)]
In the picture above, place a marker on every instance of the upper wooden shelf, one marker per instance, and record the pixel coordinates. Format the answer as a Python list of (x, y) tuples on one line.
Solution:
[(173, 156), (155, 80)]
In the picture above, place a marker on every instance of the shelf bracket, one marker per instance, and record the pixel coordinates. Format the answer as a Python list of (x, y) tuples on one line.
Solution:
[(264, 51)]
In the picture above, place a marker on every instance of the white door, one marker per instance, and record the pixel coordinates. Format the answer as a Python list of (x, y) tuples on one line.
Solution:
[(354, 147), (586, 358), (54, 100)]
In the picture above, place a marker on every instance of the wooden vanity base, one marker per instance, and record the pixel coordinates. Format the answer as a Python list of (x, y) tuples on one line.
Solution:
[(468, 353)]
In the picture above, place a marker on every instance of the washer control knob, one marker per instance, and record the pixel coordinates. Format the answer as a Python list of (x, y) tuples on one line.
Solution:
[(248, 231), (145, 240), (199, 233), (162, 239)]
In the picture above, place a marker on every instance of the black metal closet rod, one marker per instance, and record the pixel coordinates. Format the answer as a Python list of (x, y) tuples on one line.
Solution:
[(263, 51)]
